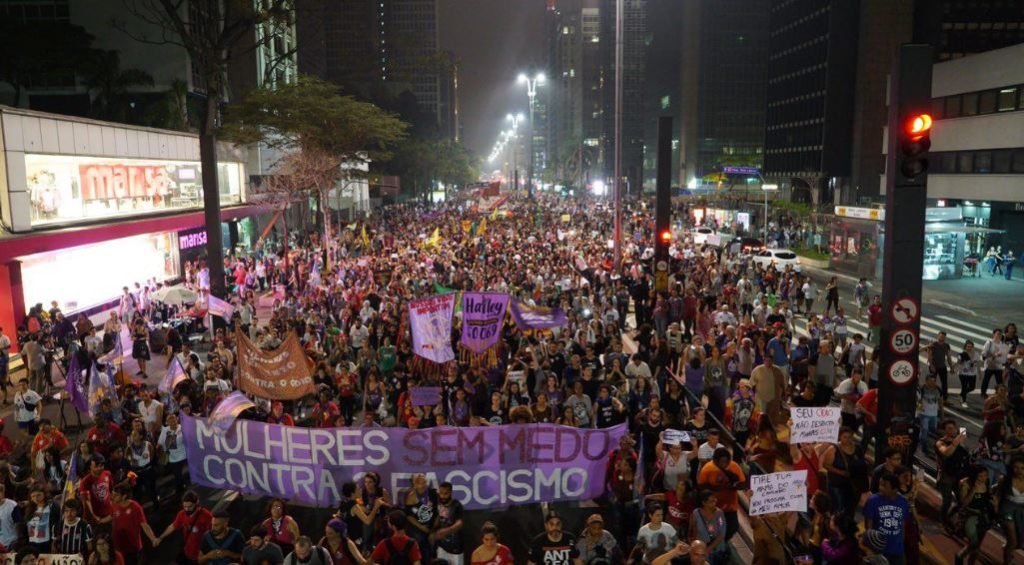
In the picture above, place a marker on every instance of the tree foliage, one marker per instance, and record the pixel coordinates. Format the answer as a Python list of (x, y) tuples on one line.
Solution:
[(313, 115), (109, 85), (421, 162)]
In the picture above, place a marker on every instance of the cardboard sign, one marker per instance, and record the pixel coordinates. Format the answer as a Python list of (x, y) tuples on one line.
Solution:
[(45, 559), (675, 437), (281, 374), (778, 492), (815, 424)]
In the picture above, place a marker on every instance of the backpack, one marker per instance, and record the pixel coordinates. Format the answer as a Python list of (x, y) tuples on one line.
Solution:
[(403, 557)]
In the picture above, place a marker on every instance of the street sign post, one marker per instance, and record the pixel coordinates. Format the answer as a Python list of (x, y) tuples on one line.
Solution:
[(663, 205), (906, 188)]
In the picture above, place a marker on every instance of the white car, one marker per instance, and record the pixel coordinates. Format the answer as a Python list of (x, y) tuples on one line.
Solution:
[(700, 235), (781, 258)]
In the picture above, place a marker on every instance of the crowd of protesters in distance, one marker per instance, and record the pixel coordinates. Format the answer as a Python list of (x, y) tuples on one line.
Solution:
[(722, 355)]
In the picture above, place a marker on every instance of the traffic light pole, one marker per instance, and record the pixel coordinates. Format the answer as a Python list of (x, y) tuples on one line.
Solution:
[(906, 193), (663, 205)]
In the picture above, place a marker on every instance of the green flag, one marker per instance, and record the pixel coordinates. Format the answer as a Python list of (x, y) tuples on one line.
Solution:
[(442, 290)]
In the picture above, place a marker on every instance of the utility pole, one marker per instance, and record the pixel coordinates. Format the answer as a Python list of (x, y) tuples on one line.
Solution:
[(906, 192), (617, 186), (663, 205)]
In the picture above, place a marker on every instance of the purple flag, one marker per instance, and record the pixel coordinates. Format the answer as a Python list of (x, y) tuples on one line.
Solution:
[(228, 410), (175, 374), (73, 386), (483, 313), (431, 322), (536, 317), (101, 386), (490, 466), (220, 307)]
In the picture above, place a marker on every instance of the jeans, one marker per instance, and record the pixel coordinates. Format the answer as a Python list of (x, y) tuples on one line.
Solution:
[(947, 488), (967, 383), (928, 425), (989, 373), (995, 469), (943, 373)]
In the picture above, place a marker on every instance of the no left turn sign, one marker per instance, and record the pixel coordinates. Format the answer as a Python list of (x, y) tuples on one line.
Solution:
[(905, 311), (901, 372)]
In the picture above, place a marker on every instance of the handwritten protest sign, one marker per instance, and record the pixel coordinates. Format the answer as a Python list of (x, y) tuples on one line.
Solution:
[(778, 492), (489, 467), (517, 377), (815, 424), (425, 395), (675, 437)]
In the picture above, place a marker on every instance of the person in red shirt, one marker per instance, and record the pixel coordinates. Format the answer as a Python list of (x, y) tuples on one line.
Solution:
[(193, 521), (874, 320), (95, 489), (6, 447), (805, 458), (325, 412), (278, 415), (47, 437), (867, 406), (397, 543), (128, 521), (104, 434)]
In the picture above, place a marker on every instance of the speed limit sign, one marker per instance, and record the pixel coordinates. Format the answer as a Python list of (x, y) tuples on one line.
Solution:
[(901, 372), (903, 341)]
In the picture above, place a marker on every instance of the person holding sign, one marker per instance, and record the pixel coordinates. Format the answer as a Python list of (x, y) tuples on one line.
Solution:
[(674, 463)]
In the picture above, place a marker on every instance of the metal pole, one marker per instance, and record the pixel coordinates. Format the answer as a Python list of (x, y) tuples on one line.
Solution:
[(618, 135), (765, 216), (531, 86)]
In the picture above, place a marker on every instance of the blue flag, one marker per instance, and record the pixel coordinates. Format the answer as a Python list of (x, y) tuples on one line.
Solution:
[(73, 386), (175, 374)]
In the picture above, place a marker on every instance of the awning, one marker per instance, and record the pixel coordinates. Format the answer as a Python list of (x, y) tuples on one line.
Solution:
[(952, 227)]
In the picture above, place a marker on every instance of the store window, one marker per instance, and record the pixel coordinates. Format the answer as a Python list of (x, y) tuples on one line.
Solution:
[(1008, 99), (88, 275), (66, 188)]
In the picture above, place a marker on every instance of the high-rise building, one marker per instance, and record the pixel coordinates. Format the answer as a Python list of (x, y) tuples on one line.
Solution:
[(811, 73), (956, 28), (386, 47), (634, 73), (718, 82)]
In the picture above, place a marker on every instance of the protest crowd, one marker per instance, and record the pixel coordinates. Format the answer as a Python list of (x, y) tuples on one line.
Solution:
[(737, 392)]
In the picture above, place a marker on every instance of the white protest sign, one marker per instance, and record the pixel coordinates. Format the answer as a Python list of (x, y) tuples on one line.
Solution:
[(517, 377), (675, 437), (815, 424), (778, 492), (45, 559)]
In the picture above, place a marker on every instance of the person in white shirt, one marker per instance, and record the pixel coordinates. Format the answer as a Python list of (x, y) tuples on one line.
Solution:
[(360, 335), (26, 408), (172, 442), (810, 294), (152, 412), (5, 361), (994, 355), (849, 391), (637, 368), (707, 449)]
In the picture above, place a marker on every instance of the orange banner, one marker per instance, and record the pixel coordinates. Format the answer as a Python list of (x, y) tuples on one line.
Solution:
[(281, 374)]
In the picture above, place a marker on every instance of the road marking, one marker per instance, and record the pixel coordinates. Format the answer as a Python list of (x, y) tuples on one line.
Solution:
[(986, 331)]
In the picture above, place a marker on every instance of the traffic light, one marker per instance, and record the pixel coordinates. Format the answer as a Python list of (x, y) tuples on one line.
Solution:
[(666, 237), (916, 140)]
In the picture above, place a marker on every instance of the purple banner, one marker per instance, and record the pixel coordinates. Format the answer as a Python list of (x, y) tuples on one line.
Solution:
[(536, 317), (483, 313), (425, 395), (431, 321), (489, 467)]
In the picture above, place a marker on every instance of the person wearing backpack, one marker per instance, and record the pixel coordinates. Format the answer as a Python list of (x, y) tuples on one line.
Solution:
[(308, 554), (398, 548)]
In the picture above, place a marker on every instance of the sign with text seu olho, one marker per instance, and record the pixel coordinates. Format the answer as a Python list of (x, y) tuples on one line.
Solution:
[(489, 467), (281, 374), (815, 424), (431, 323), (778, 492)]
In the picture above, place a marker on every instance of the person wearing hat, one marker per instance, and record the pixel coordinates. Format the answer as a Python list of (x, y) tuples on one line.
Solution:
[(596, 544), (874, 544)]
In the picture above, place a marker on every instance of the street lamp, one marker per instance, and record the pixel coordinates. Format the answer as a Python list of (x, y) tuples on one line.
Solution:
[(531, 92), (513, 136)]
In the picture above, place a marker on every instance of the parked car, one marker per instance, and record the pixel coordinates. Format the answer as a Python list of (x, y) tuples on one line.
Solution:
[(781, 258), (748, 245), (700, 235)]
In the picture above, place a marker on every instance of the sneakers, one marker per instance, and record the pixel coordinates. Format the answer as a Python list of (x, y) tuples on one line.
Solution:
[(963, 405)]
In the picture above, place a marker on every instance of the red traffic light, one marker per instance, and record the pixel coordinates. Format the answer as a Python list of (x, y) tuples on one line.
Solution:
[(666, 236), (918, 125)]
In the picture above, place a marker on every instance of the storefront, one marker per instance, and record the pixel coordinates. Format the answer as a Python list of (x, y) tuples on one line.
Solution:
[(89, 207), (855, 241)]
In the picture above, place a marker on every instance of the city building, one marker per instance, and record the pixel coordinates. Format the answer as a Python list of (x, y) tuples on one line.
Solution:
[(90, 206), (714, 81), (811, 73), (977, 151), (634, 76), (383, 48), (955, 28)]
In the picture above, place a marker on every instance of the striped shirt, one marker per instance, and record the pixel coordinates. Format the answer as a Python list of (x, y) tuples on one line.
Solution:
[(72, 538)]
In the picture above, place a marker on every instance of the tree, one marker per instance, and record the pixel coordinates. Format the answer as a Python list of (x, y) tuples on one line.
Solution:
[(212, 33), (312, 118), (109, 84)]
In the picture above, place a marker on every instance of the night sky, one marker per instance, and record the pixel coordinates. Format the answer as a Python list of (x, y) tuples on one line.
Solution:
[(494, 40)]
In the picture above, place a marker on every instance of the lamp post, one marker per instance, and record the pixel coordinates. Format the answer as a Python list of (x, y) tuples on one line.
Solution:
[(766, 188), (531, 92), (514, 139)]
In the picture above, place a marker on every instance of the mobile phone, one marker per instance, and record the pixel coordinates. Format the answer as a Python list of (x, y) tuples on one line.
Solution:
[(963, 431)]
